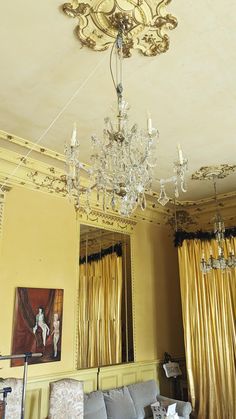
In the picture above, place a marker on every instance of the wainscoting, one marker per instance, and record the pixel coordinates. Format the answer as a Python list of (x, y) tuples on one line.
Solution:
[(95, 378), (37, 395)]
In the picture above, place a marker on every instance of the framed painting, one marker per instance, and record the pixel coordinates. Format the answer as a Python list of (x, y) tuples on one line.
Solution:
[(37, 324)]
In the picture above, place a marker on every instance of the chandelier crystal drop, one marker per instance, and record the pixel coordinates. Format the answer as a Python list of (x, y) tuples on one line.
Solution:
[(219, 262), (122, 161)]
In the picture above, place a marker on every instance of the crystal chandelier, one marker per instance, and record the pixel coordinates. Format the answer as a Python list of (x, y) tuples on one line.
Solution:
[(121, 172), (219, 262)]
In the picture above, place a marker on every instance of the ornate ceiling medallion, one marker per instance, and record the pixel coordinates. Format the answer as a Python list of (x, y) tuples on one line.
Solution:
[(143, 23), (213, 172)]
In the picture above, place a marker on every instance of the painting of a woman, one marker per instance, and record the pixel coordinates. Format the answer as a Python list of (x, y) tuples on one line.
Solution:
[(56, 333), (40, 322)]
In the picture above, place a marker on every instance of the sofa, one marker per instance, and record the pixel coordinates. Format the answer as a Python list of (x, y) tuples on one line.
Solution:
[(129, 402)]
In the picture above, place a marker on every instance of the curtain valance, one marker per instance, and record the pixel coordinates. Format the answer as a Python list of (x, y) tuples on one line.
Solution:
[(182, 235), (117, 248)]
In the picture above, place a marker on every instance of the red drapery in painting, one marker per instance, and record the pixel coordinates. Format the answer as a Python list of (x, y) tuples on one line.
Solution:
[(28, 301)]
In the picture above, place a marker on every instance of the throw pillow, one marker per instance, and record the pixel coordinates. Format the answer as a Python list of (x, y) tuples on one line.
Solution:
[(94, 406), (119, 404), (143, 395)]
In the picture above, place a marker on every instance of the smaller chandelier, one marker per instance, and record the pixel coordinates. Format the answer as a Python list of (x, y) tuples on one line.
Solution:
[(123, 160), (219, 262)]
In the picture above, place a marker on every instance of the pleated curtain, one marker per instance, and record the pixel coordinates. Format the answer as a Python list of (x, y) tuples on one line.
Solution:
[(100, 295), (209, 317)]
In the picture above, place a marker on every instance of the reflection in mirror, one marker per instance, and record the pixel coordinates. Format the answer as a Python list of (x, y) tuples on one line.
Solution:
[(105, 298)]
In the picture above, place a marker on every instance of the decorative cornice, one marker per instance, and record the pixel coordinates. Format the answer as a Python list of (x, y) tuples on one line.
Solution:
[(205, 201), (2, 199), (43, 170), (144, 24), (29, 145)]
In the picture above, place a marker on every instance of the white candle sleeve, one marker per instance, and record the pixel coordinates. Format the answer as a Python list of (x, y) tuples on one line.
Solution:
[(149, 125), (181, 159), (73, 137)]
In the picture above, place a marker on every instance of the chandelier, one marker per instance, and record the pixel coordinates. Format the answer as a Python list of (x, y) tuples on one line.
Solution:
[(220, 261), (122, 162)]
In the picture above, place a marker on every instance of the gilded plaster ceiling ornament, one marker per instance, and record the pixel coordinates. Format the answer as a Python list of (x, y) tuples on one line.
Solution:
[(181, 220), (50, 183), (212, 172), (144, 24)]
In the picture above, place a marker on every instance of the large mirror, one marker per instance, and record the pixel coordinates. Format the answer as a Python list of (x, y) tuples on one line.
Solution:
[(105, 298)]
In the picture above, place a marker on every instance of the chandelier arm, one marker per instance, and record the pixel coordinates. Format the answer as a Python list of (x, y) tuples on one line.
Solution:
[(168, 180)]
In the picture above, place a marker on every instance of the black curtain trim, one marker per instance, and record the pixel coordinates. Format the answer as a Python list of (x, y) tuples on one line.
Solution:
[(180, 236), (117, 248)]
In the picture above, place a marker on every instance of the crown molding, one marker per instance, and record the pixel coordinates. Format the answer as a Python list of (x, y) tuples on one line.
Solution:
[(206, 201), (44, 170), (2, 200), (29, 145)]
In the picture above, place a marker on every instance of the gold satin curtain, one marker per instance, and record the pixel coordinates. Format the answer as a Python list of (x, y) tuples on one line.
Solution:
[(209, 316), (100, 294)]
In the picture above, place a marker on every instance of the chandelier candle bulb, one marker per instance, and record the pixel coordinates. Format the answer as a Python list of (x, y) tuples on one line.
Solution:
[(74, 135), (180, 153), (73, 173), (149, 123)]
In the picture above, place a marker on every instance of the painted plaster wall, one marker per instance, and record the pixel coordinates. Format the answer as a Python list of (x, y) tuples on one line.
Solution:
[(157, 298), (39, 248)]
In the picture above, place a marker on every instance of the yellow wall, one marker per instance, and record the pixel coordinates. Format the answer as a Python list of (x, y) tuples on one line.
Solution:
[(158, 317), (39, 249)]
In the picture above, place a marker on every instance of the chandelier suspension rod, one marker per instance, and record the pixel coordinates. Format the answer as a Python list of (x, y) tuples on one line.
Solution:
[(215, 194)]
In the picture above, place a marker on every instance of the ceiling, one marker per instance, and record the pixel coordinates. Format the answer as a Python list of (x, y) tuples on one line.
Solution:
[(190, 90)]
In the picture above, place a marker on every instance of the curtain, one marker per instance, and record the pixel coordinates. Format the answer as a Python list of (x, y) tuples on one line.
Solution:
[(209, 314), (100, 292)]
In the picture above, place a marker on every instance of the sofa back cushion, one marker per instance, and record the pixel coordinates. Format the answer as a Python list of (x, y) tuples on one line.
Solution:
[(94, 406), (143, 394), (119, 404)]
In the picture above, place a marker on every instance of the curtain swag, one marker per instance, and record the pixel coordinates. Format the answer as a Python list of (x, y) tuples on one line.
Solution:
[(117, 248), (182, 235)]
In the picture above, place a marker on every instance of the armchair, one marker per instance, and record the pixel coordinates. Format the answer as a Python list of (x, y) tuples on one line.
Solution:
[(66, 399)]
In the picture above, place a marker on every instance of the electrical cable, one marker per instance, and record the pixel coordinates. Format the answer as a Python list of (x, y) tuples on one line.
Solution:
[(51, 124)]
